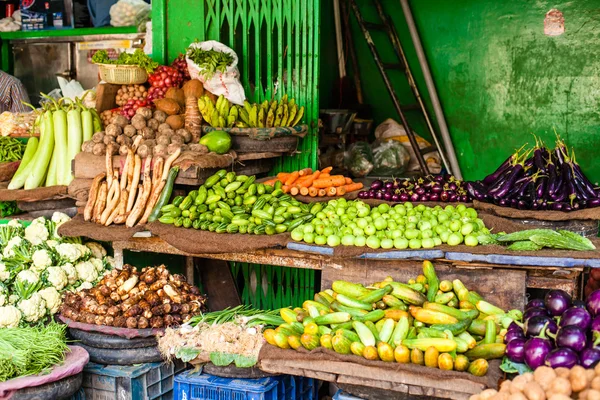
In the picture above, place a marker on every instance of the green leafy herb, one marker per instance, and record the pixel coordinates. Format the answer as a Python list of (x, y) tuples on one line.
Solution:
[(247, 315), (221, 359), (187, 354), (8, 208), (209, 61), (245, 361), (511, 367), (138, 58)]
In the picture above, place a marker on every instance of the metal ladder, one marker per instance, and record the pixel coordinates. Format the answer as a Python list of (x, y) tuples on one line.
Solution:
[(402, 65)]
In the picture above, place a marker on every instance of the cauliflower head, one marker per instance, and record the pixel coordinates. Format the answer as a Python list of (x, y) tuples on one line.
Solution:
[(37, 233), (86, 271), (4, 273), (14, 223), (41, 260), (13, 299), (28, 275), (71, 273), (68, 252), (98, 264), (84, 251), (60, 218), (52, 299), (34, 308), (57, 277), (97, 250), (8, 250), (51, 243), (84, 286), (10, 317)]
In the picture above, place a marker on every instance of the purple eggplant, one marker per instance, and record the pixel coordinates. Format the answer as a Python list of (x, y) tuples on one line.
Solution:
[(515, 350), (536, 349), (535, 311), (512, 335), (593, 203), (493, 177), (387, 196), (562, 358), (571, 337), (574, 316), (377, 184), (404, 197), (514, 327), (557, 301), (589, 357), (476, 190), (535, 303), (593, 303), (535, 325)]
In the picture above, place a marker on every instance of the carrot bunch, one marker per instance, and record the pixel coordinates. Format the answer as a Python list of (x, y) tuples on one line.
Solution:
[(307, 182)]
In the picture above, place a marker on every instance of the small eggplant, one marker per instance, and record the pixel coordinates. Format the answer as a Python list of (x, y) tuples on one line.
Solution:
[(513, 335), (557, 301), (562, 358), (589, 357), (534, 312), (574, 316), (515, 350), (571, 337), (534, 326), (536, 349), (535, 303)]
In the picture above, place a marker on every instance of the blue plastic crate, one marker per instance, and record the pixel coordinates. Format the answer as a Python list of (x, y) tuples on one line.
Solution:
[(193, 386), (80, 395), (130, 382), (344, 396)]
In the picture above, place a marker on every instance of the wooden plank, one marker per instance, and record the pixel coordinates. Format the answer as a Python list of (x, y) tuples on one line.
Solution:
[(218, 284), (257, 156), (507, 289), (106, 94)]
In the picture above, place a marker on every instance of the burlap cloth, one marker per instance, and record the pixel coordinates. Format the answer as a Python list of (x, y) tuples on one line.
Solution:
[(113, 233), (585, 214), (195, 241), (321, 359), (42, 193)]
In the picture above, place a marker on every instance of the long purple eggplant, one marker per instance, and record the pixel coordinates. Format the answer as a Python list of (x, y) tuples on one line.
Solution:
[(494, 176)]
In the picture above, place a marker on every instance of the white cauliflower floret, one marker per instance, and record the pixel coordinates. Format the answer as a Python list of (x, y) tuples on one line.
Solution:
[(34, 308), (3, 299), (110, 261), (10, 317), (51, 243), (86, 271), (52, 299), (97, 250), (85, 286), (58, 277), (14, 223), (71, 272), (98, 264), (60, 218), (8, 250), (13, 299), (68, 251), (41, 260), (4, 273), (36, 233), (84, 251), (28, 275)]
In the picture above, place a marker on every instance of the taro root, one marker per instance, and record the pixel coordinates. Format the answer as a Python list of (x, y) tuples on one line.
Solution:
[(144, 112), (175, 94), (193, 88), (160, 116), (113, 130), (175, 121)]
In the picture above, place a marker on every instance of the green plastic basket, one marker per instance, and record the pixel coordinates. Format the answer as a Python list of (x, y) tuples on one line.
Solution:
[(270, 287)]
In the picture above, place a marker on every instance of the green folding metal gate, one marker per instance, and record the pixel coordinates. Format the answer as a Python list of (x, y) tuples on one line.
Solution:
[(278, 45)]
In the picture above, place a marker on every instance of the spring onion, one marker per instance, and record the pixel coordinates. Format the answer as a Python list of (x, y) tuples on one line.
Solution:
[(243, 314)]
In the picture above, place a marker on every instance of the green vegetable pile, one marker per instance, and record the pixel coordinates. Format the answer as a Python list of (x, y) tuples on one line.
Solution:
[(209, 61), (426, 321), (537, 239), (8, 208), (354, 223), (11, 149), (31, 350), (247, 315), (138, 58), (230, 203)]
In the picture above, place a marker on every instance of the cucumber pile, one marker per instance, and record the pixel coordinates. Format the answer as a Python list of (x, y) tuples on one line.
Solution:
[(439, 324), (230, 203)]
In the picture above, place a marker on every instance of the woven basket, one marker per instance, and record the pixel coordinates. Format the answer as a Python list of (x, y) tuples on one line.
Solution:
[(122, 74)]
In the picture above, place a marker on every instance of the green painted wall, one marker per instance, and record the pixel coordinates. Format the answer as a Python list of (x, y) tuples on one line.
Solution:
[(498, 76)]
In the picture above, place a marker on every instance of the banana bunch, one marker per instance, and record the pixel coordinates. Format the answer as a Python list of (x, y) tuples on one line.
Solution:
[(219, 114), (269, 115)]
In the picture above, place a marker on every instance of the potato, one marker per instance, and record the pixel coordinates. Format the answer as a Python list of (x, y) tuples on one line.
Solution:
[(108, 140), (98, 137), (176, 139), (120, 120), (148, 133), (144, 112), (164, 127), (593, 394), (185, 134), (138, 122), (534, 391), (578, 378), (560, 385), (488, 393), (504, 386), (559, 396), (562, 372), (590, 374), (501, 396), (152, 123), (87, 146), (595, 384), (130, 131), (517, 396), (544, 376), (123, 150), (597, 369), (164, 140), (160, 151), (113, 130), (160, 116), (99, 149), (518, 384)]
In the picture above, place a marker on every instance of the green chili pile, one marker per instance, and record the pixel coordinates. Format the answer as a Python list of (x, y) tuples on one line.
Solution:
[(11, 149), (31, 350)]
